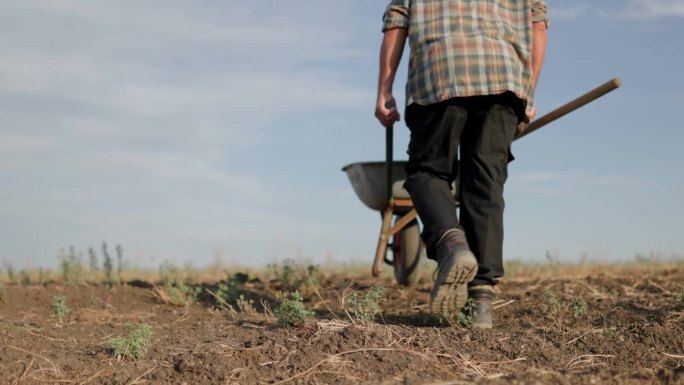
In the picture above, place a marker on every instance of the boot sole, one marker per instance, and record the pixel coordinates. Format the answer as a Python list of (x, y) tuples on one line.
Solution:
[(449, 296)]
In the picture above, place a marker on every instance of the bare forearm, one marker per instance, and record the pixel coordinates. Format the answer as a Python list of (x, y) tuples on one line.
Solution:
[(538, 50), (390, 55)]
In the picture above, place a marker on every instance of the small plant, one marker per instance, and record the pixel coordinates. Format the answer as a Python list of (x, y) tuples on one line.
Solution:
[(226, 293), (293, 277), (108, 266), (9, 268), (579, 308), (182, 294), (552, 308), (168, 272), (43, 276), (292, 311), (119, 261), (314, 274), (3, 293), (364, 308), (134, 345), (287, 275), (190, 272), (25, 278), (610, 330), (552, 305), (611, 333), (92, 260), (59, 307), (175, 292), (70, 265), (465, 316), (437, 320), (681, 296), (246, 305)]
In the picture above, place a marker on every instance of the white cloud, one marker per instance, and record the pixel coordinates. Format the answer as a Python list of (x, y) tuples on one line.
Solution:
[(10, 142), (566, 12), (567, 182), (631, 9), (652, 9)]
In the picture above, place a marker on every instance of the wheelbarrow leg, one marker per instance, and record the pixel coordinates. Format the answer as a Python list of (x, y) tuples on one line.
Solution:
[(402, 222), (381, 250), (387, 231)]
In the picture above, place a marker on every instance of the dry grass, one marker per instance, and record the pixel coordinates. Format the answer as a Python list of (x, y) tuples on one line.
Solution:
[(515, 270)]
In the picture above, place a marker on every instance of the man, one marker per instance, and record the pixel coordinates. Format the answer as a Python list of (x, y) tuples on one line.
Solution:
[(473, 68)]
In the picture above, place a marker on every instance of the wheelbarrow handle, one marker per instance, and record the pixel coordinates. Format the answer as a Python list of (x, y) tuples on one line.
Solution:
[(571, 106), (389, 156), (389, 146)]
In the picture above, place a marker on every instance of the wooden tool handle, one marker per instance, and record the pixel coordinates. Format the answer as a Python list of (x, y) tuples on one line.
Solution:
[(571, 106)]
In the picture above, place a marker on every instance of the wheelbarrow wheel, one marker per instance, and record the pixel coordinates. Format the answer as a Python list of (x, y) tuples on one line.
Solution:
[(406, 247)]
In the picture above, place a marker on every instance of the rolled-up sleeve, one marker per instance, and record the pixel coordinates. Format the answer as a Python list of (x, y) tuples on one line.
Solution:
[(396, 15), (540, 12)]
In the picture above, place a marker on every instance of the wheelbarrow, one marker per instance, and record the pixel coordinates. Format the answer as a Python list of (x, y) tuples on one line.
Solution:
[(379, 185)]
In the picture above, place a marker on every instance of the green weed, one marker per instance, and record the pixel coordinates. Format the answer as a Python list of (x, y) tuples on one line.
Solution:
[(71, 267), (292, 311), (611, 333), (190, 272), (108, 266), (182, 294), (366, 307), (293, 277), (228, 291), (9, 327), (135, 344), (246, 305), (465, 316), (59, 307), (436, 320), (119, 261), (3, 293), (553, 262), (176, 292), (552, 306), (9, 269), (168, 272), (579, 308), (92, 259), (681, 296), (25, 278), (43, 276)]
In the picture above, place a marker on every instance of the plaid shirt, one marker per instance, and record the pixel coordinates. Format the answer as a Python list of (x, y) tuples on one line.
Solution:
[(467, 47)]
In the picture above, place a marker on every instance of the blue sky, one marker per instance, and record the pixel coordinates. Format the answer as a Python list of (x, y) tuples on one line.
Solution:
[(194, 130)]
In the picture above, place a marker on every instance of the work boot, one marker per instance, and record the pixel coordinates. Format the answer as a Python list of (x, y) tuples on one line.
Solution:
[(456, 266), (481, 297)]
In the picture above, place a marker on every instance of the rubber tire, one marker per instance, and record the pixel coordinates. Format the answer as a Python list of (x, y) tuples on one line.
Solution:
[(406, 250)]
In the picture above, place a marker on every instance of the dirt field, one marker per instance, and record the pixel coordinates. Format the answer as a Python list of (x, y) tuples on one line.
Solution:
[(599, 325)]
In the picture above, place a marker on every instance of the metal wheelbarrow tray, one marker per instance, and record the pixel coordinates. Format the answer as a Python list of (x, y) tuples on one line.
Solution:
[(379, 185)]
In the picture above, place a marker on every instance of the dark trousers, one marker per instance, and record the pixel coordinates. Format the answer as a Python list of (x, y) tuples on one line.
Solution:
[(465, 139)]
